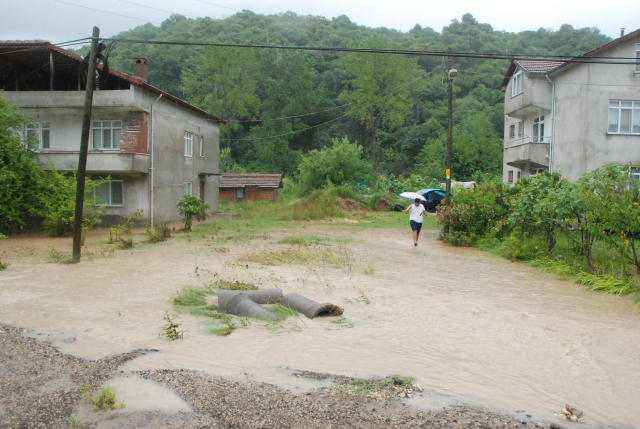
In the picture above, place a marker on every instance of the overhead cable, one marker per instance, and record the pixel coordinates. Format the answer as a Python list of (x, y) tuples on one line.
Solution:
[(536, 57), (110, 13)]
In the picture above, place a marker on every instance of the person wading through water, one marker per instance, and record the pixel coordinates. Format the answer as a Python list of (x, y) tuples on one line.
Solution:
[(416, 210)]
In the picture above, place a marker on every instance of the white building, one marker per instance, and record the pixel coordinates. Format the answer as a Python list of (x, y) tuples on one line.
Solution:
[(573, 117), (154, 146)]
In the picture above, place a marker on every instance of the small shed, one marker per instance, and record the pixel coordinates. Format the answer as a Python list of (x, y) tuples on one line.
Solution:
[(250, 186)]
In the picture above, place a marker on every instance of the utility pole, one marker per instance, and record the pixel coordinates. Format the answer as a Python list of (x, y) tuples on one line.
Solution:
[(451, 73), (84, 147)]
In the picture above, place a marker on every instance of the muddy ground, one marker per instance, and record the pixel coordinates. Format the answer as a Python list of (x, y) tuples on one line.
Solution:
[(483, 336), (42, 387)]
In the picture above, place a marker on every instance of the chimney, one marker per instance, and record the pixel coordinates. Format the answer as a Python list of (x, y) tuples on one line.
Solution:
[(140, 68), (621, 32)]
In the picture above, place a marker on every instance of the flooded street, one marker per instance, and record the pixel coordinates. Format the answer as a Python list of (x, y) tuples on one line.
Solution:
[(471, 327)]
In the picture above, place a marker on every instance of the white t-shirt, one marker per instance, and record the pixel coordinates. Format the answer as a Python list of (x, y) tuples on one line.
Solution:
[(416, 212)]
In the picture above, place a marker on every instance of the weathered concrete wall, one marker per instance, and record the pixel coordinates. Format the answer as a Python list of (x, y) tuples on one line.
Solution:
[(583, 92), (63, 110)]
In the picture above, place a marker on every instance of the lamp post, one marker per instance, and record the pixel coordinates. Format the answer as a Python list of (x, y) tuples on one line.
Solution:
[(450, 76)]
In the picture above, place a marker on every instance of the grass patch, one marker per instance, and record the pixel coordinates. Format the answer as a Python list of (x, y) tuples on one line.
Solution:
[(295, 255), (58, 257), (361, 298), (106, 399), (383, 388), (293, 240), (602, 282), (192, 297), (342, 322), (284, 311), (170, 328), (367, 268)]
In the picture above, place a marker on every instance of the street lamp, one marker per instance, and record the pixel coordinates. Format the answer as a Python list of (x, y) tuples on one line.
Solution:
[(450, 75)]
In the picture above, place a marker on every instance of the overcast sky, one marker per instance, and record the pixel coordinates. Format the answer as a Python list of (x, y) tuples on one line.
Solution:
[(58, 21)]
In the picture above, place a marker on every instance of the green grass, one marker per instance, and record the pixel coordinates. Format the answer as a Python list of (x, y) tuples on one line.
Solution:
[(294, 255), (192, 297), (365, 387), (284, 311)]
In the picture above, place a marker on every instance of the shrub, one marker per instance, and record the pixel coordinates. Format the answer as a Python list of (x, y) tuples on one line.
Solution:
[(123, 232), (474, 214), (340, 164), (158, 232), (192, 207)]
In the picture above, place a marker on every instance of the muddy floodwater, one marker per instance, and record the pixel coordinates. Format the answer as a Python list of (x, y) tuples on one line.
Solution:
[(472, 328)]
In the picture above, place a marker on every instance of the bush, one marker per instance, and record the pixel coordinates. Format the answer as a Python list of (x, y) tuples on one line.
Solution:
[(159, 232), (123, 232), (475, 214), (192, 207), (340, 164)]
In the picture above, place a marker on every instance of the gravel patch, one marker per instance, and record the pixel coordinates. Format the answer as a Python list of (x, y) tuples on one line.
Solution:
[(41, 387)]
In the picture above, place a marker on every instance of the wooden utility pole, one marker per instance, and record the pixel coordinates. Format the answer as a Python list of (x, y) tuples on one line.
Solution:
[(447, 200), (84, 147)]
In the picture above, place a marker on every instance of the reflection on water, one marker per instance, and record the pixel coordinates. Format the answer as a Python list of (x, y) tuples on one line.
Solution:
[(479, 329)]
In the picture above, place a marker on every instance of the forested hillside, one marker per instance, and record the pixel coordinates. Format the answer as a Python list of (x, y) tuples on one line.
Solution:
[(394, 106)]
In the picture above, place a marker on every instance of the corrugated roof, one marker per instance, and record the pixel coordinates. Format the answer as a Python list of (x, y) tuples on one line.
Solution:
[(252, 180), (43, 44), (539, 66)]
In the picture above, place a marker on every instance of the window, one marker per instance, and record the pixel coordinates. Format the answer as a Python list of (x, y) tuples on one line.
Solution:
[(188, 145), (188, 187), (624, 117), (240, 193), (536, 171), (201, 147), (638, 57), (512, 131), (520, 129), (519, 174), (109, 193), (510, 176), (538, 129), (516, 87), (38, 132), (106, 134)]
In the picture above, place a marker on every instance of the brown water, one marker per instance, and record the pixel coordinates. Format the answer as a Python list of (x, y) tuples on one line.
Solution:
[(475, 328)]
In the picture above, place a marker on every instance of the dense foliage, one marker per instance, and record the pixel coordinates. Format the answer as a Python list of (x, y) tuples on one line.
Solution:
[(399, 109), (27, 191), (530, 219)]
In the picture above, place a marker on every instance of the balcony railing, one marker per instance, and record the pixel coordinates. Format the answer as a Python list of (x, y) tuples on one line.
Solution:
[(527, 140)]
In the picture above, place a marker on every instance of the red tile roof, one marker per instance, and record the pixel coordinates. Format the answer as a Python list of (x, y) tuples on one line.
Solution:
[(43, 44), (252, 180), (539, 66)]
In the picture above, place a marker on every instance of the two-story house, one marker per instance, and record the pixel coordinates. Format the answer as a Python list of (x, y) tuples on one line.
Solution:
[(573, 117), (154, 147)]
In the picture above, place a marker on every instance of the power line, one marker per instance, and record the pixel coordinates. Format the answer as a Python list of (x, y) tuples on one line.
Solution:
[(155, 8), (217, 5), (397, 88), (110, 13), (391, 51)]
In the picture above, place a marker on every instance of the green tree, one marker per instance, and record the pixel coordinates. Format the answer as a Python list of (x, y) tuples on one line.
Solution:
[(192, 207), (224, 83), (379, 87), (340, 165), (21, 173)]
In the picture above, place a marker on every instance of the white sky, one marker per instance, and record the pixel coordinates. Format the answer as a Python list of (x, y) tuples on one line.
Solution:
[(57, 22)]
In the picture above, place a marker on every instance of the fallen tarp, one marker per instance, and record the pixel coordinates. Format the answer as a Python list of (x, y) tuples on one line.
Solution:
[(242, 304), (310, 308)]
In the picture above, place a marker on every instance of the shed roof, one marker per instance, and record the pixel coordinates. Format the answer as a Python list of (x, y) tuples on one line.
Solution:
[(35, 53), (539, 66), (251, 180)]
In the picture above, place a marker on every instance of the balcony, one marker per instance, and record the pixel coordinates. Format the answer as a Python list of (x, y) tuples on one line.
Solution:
[(528, 152), (100, 162), (533, 101)]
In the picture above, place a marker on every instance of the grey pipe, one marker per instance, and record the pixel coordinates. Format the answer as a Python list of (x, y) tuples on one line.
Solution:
[(310, 308), (241, 304), (264, 296)]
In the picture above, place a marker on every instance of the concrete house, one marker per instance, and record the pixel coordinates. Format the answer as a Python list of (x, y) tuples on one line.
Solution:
[(250, 187), (572, 117), (154, 146)]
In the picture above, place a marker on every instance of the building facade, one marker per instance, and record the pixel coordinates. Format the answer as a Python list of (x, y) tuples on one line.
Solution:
[(240, 187), (153, 146), (573, 117)]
